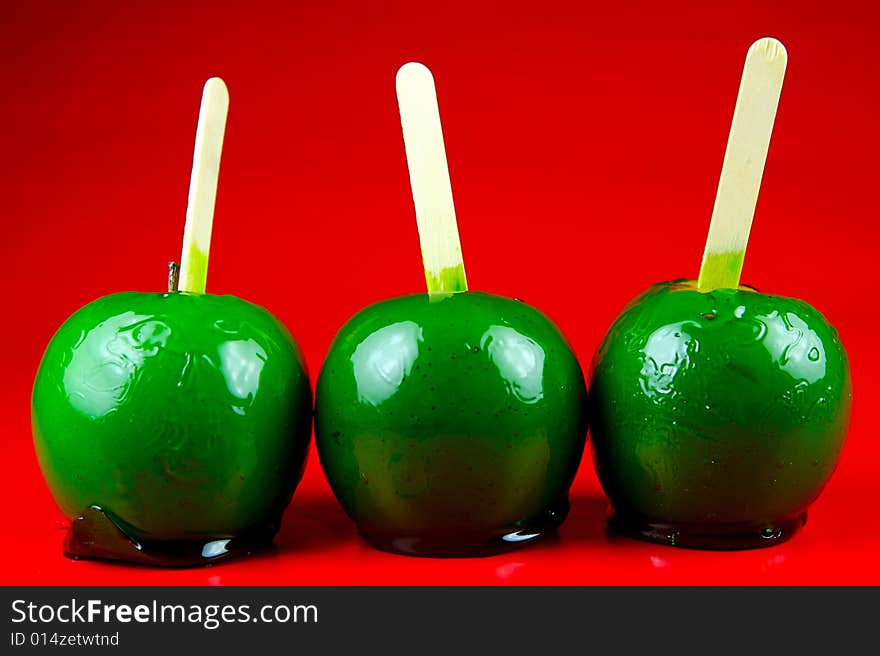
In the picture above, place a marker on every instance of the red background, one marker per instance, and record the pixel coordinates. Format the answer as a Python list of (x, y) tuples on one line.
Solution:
[(584, 146)]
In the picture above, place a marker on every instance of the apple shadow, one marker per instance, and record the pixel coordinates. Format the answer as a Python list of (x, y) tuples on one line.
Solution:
[(314, 523), (317, 523)]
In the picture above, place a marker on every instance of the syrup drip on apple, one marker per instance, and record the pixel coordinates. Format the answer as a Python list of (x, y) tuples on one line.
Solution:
[(98, 534)]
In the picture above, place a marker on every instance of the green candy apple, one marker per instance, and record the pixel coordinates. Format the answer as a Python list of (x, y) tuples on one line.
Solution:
[(717, 417), (173, 428), (451, 427)]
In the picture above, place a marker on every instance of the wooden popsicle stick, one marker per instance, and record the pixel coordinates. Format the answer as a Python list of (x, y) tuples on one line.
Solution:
[(743, 166), (203, 187), (429, 180)]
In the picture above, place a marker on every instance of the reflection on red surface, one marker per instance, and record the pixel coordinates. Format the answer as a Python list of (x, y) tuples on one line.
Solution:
[(658, 562), (508, 571), (773, 560)]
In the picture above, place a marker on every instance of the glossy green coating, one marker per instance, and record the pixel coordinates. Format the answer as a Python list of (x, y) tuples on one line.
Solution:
[(445, 426), (717, 417), (184, 417)]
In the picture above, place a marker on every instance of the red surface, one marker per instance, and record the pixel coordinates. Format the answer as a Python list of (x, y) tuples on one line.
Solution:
[(584, 144)]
